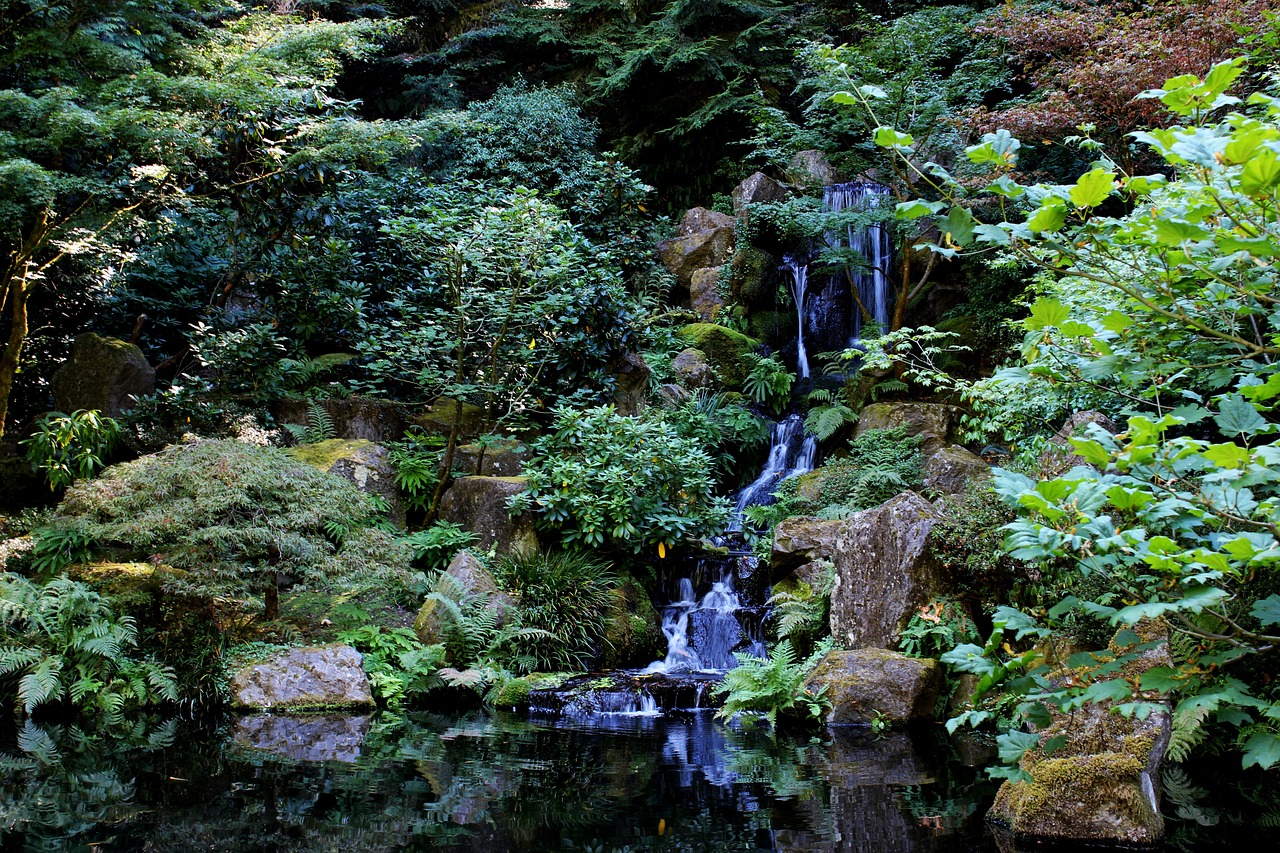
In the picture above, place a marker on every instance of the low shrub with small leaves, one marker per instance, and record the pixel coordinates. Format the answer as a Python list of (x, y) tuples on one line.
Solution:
[(235, 517)]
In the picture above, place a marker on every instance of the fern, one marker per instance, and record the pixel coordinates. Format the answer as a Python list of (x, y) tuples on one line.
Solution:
[(801, 613), (773, 686), (319, 426), (1187, 731)]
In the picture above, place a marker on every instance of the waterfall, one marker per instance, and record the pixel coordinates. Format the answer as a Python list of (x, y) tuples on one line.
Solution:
[(799, 285), (702, 635), (791, 453), (872, 242)]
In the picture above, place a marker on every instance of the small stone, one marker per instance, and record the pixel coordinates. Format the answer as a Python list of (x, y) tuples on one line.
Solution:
[(870, 684), (631, 383), (103, 374), (303, 679), (698, 219), (501, 458)]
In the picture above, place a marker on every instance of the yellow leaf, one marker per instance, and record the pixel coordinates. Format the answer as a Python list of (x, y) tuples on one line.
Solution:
[(533, 342), (662, 550)]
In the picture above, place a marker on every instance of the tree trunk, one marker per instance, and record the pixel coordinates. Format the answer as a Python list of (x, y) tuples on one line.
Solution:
[(18, 291)]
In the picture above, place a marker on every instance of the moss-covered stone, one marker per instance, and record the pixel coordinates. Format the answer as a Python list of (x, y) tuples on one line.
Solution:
[(479, 505), (105, 374), (753, 277), (632, 636), (303, 679), (877, 684), (358, 461), (724, 349), (443, 411)]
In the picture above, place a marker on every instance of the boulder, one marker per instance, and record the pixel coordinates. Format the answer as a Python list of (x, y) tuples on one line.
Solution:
[(303, 738), (691, 368), (867, 684), (754, 277), (105, 374), (699, 219), (632, 634), (365, 418), (479, 504), (504, 457), (439, 418), (1060, 457), (952, 469), (684, 256), (1100, 783), (801, 540), (631, 375), (884, 572), (471, 579), (303, 679), (358, 461), (704, 297), (931, 421), (756, 189), (724, 348), (673, 394), (811, 169)]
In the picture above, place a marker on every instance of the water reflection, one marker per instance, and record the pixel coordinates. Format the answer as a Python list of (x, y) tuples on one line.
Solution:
[(483, 782)]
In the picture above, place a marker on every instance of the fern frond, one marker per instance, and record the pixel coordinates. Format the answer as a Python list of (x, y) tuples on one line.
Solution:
[(41, 684), (1187, 732)]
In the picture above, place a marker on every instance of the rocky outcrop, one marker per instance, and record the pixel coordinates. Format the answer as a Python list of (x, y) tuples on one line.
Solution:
[(705, 240), (353, 418), (754, 277), (440, 416), (724, 348), (756, 189), (691, 368), (303, 738), (801, 540), (631, 376), (631, 629), (468, 578), (952, 469), (479, 504), (504, 457), (704, 296), (361, 462), (931, 421), (868, 684), (303, 679), (811, 169), (1060, 457), (105, 374), (1101, 781), (884, 572)]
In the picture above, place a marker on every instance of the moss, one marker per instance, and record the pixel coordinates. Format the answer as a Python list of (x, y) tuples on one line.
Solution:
[(325, 454), (440, 416), (514, 693), (631, 628), (724, 349), (1104, 782), (794, 587)]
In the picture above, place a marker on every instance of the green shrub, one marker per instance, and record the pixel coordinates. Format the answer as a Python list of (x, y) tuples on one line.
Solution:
[(401, 669), (61, 642), (436, 545), (565, 597), (232, 515), (66, 448), (768, 382), (632, 483), (938, 627)]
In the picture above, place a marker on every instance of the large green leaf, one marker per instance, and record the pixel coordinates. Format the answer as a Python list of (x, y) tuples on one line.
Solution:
[(1093, 188), (1237, 416)]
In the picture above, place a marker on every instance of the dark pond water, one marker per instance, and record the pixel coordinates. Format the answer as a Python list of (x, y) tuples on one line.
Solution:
[(482, 782)]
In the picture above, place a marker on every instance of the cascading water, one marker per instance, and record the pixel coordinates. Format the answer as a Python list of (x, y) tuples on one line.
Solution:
[(871, 282), (703, 634), (799, 292), (792, 452)]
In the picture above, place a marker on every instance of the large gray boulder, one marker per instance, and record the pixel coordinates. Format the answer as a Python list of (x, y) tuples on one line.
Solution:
[(303, 738), (631, 375), (802, 539), (812, 169), (468, 578), (105, 374), (303, 679), (358, 461), (884, 572), (691, 368), (501, 458), (1101, 781), (756, 189), (704, 296), (952, 469), (931, 421), (698, 219), (702, 243), (869, 684), (479, 504)]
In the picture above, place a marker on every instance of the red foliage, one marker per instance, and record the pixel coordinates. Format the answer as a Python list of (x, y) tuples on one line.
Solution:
[(1088, 58)]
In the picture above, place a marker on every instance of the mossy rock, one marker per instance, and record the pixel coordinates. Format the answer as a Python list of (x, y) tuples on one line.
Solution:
[(753, 277), (127, 584), (876, 684), (358, 461), (724, 349), (770, 325), (443, 411), (632, 635)]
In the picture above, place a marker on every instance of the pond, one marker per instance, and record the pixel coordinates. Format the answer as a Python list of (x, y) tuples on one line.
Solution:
[(480, 782)]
